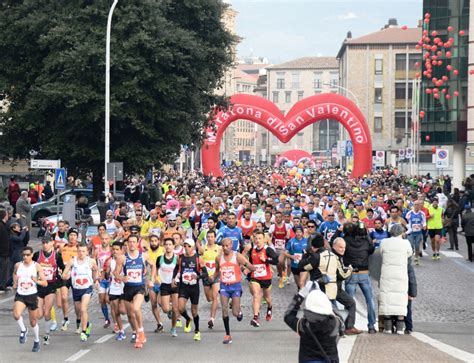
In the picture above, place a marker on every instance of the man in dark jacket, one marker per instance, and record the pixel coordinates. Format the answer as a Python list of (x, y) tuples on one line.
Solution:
[(467, 223), (358, 250), (311, 258), (412, 292), (4, 249)]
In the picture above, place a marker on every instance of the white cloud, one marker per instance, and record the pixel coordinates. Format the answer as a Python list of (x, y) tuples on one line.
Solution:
[(347, 16)]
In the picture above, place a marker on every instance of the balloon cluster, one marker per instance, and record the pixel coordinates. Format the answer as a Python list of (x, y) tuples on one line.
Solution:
[(297, 171), (434, 50)]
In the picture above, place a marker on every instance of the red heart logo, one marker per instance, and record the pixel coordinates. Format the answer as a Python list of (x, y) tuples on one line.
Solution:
[(133, 274), (81, 281), (303, 113)]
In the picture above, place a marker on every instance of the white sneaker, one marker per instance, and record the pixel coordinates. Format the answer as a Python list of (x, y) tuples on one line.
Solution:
[(65, 325), (54, 326)]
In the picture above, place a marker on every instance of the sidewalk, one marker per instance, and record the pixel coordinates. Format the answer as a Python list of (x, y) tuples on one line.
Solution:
[(396, 348)]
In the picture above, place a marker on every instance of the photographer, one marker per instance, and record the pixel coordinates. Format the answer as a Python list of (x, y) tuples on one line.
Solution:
[(318, 328)]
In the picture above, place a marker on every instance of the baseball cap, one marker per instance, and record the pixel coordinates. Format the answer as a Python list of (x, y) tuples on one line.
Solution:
[(73, 230), (135, 228), (189, 241), (171, 217)]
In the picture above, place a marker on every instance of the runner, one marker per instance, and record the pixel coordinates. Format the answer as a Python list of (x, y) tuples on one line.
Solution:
[(209, 253), (52, 263), (115, 292), (152, 227), (228, 264), (416, 224), (233, 232), (162, 274), (435, 226), (261, 257), (133, 266), (154, 252), (112, 226), (186, 276), (280, 233), (26, 275), (102, 254), (247, 225), (83, 272), (294, 251)]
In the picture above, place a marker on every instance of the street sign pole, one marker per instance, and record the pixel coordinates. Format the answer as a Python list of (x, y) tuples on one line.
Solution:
[(59, 184), (115, 182)]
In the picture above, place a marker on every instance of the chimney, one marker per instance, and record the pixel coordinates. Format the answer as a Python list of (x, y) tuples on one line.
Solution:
[(349, 35), (392, 23)]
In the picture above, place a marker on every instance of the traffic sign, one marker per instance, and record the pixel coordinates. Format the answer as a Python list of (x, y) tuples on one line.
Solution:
[(409, 152), (442, 158), (45, 164), (60, 179), (401, 154), (349, 148)]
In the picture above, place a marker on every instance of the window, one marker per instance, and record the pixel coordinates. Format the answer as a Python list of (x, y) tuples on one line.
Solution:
[(318, 80), (295, 80), (280, 80), (379, 66), (400, 91), (400, 121), (378, 95), (401, 62), (377, 124), (412, 59), (288, 97), (275, 97), (334, 79), (300, 95)]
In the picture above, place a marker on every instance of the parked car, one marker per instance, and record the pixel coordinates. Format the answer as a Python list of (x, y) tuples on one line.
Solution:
[(48, 208), (94, 214)]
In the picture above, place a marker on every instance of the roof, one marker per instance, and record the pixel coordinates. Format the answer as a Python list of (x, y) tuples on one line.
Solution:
[(308, 63), (391, 35)]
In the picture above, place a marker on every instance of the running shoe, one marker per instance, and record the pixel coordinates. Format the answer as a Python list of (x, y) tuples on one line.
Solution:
[(417, 262), (46, 339), (116, 329), (227, 339), (88, 329), (170, 314), (159, 328), (264, 301), (438, 257), (197, 336), (210, 323), (255, 323), (106, 324), (179, 324), (268, 317), (133, 339), (120, 336), (187, 328), (23, 336), (83, 337), (64, 326), (434, 257), (36, 347), (281, 283), (138, 344), (173, 332), (54, 326), (141, 337), (240, 316)]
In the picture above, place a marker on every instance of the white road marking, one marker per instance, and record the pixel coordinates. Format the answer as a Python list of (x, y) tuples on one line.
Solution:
[(78, 355), (451, 254), (448, 349), (345, 345), (109, 336)]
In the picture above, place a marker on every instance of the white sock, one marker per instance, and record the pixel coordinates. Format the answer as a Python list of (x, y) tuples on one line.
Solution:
[(48, 326), (21, 324), (36, 330)]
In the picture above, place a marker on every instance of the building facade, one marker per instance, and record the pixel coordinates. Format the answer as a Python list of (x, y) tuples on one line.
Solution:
[(290, 82), (449, 122), (377, 72)]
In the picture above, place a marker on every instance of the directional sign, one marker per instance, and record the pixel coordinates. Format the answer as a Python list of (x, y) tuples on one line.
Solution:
[(442, 158), (60, 179), (45, 164)]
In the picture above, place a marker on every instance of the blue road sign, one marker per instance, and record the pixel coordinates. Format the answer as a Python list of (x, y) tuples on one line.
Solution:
[(60, 179), (349, 148)]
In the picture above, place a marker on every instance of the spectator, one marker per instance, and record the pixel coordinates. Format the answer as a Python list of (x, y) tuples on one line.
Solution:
[(18, 240), (48, 191), (102, 207), (393, 297), (33, 194), (412, 292), (451, 223), (4, 250), (2, 191), (467, 224), (13, 192), (358, 250), (23, 208)]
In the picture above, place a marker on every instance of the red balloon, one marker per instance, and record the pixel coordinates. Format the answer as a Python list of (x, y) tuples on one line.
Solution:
[(456, 93), (404, 27), (418, 75), (443, 90), (456, 72), (427, 138), (427, 15), (434, 48), (417, 46), (445, 78), (449, 67), (435, 63), (427, 39), (440, 63), (425, 32), (461, 32), (436, 40), (434, 33), (439, 83), (433, 150), (434, 57), (449, 54), (417, 64), (439, 53), (440, 44), (435, 79), (427, 20), (436, 95), (471, 71), (450, 28), (429, 91), (422, 114), (447, 45), (448, 96)]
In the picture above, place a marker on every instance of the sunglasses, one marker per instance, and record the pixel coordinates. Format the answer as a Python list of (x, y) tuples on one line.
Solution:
[(330, 215), (311, 226), (138, 214), (187, 246)]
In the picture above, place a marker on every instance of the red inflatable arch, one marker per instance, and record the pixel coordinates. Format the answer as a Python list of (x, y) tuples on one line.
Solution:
[(304, 113), (296, 156)]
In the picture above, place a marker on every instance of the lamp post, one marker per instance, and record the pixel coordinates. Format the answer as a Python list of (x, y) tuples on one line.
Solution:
[(107, 96)]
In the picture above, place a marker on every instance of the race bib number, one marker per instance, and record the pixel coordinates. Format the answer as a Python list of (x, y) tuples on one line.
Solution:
[(134, 275), (260, 270), (298, 256), (279, 244), (329, 235), (211, 267), (48, 272), (156, 231), (228, 275), (189, 277), (416, 227)]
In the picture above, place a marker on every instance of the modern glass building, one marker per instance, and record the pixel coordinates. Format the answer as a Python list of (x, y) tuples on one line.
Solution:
[(445, 121)]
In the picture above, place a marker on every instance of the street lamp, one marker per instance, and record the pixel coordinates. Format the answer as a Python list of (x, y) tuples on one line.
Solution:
[(344, 89), (107, 96)]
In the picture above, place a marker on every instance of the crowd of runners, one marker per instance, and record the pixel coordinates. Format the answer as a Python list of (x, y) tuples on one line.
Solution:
[(254, 227)]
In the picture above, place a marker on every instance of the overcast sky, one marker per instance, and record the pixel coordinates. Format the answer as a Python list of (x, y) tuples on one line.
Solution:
[(282, 30)]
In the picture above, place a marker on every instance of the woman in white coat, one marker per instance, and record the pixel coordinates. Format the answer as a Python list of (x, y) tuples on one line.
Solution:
[(393, 297)]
